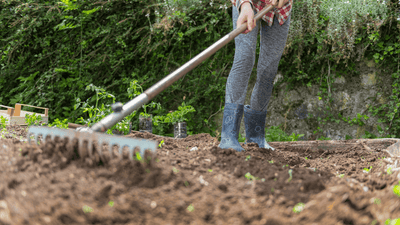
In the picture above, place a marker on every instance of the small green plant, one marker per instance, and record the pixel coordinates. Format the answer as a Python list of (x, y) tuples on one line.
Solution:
[(324, 138), (60, 124), (298, 207), (210, 170), (190, 208), (134, 90), (367, 170), (138, 157), (33, 119), (241, 139), (3, 122), (250, 177), (175, 170), (161, 144), (272, 161), (290, 175), (176, 116), (389, 171), (306, 158), (396, 189), (377, 201), (274, 133), (341, 175), (248, 157), (392, 222), (87, 209), (111, 203)]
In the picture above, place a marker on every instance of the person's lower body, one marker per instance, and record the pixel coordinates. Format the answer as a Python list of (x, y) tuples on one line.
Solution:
[(272, 44)]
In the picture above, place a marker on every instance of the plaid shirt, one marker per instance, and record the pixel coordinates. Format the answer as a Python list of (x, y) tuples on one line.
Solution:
[(282, 13)]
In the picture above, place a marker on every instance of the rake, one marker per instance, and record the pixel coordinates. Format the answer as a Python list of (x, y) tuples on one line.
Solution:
[(96, 132)]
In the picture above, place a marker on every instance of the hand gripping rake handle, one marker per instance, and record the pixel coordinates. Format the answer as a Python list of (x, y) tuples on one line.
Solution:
[(156, 89)]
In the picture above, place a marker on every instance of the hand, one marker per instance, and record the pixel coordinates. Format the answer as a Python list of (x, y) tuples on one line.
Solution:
[(279, 4), (233, 2), (246, 15)]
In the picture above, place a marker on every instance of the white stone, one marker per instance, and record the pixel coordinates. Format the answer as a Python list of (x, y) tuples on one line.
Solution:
[(194, 149)]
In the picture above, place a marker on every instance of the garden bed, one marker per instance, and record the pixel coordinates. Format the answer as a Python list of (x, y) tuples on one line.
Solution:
[(192, 181)]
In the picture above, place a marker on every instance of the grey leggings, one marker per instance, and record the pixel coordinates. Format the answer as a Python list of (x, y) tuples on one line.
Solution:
[(272, 44)]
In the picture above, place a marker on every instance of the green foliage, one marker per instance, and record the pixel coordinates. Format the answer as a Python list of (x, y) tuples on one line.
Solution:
[(60, 124), (396, 190), (111, 44), (290, 175), (241, 139), (298, 207), (322, 138), (250, 177), (161, 144), (392, 222), (33, 119), (3, 122), (367, 170), (101, 109), (177, 116), (275, 133)]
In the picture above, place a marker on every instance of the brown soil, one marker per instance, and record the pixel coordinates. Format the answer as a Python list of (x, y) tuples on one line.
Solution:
[(51, 184)]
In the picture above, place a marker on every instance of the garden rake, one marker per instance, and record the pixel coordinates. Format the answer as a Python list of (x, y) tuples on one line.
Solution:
[(94, 133)]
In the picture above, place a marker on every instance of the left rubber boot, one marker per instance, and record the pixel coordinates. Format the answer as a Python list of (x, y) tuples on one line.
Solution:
[(254, 122)]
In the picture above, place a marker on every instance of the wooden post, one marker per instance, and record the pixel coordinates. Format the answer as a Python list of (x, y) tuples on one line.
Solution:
[(17, 111), (46, 112)]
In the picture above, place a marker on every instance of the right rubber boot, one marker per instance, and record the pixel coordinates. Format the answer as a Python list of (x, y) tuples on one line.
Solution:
[(233, 114)]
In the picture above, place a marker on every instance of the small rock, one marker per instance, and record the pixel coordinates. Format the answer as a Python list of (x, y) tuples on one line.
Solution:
[(153, 204), (194, 149), (5, 216), (365, 188)]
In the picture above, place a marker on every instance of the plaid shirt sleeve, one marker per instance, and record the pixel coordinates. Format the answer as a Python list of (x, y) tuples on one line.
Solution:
[(281, 13), (240, 2)]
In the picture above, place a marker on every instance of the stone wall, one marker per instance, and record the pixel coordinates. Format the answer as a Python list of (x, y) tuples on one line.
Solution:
[(297, 110)]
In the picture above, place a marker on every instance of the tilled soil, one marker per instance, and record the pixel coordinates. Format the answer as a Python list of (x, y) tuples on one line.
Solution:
[(52, 184)]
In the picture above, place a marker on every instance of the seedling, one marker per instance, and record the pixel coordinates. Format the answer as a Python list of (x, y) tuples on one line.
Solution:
[(147, 170), (392, 222), (366, 170), (272, 190), (138, 157), (263, 179), (396, 190), (341, 175), (210, 170), (186, 183), (87, 209), (389, 171), (306, 158), (250, 177), (248, 157), (111, 203), (175, 170), (290, 174), (161, 144), (298, 207), (272, 161), (377, 201), (190, 208)]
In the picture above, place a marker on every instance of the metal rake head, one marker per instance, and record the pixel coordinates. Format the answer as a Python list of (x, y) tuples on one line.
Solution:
[(91, 136)]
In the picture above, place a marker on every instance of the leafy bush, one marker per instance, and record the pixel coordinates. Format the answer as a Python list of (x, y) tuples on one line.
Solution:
[(33, 119), (3, 122), (275, 133), (109, 44)]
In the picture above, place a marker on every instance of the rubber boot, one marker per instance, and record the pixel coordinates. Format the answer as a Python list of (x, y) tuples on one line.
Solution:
[(230, 127), (254, 122)]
